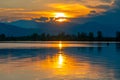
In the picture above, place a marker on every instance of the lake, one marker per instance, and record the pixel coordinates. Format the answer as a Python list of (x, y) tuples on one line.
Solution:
[(59, 60)]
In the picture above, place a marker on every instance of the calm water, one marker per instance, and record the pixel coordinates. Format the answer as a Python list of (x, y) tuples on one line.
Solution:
[(59, 61)]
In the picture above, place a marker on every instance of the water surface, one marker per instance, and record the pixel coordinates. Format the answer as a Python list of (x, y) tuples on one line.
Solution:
[(59, 61)]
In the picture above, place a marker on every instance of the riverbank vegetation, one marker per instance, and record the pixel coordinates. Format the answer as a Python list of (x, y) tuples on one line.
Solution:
[(80, 36)]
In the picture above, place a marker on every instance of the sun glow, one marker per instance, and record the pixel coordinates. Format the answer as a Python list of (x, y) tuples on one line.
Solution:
[(61, 20), (58, 15)]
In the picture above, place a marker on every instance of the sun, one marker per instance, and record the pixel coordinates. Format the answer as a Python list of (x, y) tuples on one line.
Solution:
[(60, 17)]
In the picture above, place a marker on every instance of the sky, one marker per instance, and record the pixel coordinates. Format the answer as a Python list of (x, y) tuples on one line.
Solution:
[(11, 10)]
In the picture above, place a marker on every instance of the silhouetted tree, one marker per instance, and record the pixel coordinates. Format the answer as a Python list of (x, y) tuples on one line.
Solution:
[(78, 36), (34, 37), (43, 37), (48, 37), (91, 36), (61, 36), (99, 36), (118, 36), (2, 37), (83, 36)]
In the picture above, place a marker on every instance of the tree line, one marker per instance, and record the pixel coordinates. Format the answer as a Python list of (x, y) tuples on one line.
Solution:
[(62, 37)]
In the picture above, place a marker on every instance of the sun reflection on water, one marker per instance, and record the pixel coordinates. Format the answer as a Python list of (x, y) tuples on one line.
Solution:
[(60, 56), (60, 45), (61, 64), (60, 60)]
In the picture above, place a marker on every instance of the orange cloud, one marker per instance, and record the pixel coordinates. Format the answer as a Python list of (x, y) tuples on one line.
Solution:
[(73, 10), (48, 8)]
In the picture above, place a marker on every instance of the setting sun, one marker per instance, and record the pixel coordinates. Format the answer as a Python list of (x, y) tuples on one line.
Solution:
[(58, 15)]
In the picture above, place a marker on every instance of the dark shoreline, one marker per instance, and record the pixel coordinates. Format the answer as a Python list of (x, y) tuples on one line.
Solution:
[(59, 41), (62, 37)]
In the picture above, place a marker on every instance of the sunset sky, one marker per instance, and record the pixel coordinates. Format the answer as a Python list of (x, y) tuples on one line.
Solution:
[(27, 9)]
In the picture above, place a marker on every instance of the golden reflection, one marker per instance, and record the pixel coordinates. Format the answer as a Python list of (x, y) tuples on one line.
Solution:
[(60, 59), (61, 64), (57, 65), (60, 56), (60, 45), (69, 66)]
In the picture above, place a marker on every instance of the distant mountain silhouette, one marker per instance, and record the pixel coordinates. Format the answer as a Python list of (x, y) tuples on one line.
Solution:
[(24, 27), (25, 23), (11, 30)]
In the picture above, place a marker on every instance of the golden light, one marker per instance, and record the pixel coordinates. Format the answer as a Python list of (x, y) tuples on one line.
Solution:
[(58, 15), (64, 64), (61, 20), (70, 10), (60, 60), (60, 45)]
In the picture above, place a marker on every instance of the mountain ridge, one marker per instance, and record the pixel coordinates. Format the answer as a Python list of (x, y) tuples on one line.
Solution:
[(11, 29)]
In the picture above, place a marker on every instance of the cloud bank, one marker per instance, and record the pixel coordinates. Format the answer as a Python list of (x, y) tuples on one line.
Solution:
[(27, 9)]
